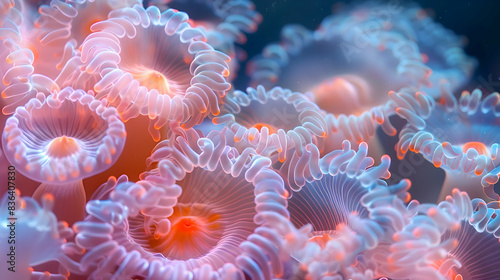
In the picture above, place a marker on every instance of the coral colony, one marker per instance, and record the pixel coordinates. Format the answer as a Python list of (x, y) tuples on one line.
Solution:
[(138, 157)]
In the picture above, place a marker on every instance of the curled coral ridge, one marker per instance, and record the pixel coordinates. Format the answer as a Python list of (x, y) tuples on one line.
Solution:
[(458, 136), (178, 76), (272, 121), (234, 225)]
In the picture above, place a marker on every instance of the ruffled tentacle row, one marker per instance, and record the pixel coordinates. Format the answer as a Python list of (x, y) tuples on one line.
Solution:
[(240, 17), (135, 226), (63, 21), (272, 122), (234, 17), (184, 84), (387, 206), (20, 84), (388, 214), (102, 232), (468, 156), (266, 68), (355, 164), (60, 30), (418, 247)]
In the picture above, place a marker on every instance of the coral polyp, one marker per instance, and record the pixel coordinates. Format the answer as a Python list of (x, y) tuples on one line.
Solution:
[(178, 76), (204, 230), (60, 140), (65, 137)]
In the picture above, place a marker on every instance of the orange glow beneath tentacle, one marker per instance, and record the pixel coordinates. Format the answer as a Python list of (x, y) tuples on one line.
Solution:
[(478, 146), (321, 240), (271, 128), (452, 273), (86, 27), (154, 79), (62, 147)]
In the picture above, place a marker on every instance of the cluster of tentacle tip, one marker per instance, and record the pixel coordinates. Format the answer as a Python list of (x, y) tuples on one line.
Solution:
[(459, 136), (438, 242)]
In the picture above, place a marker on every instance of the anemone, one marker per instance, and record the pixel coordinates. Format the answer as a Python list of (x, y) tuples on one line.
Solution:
[(61, 139), (234, 225), (183, 83), (343, 205), (347, 77)]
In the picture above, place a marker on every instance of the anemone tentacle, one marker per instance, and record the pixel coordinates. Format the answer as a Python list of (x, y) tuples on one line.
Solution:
[(458, 136), (234, 226), (183, 84)]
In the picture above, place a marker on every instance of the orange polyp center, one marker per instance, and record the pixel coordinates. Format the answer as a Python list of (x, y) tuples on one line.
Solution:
[(186, 228), (194, 231), (321, 240), (62, 147), (259, 126), (346, 94), (154, 80), (478, 146)]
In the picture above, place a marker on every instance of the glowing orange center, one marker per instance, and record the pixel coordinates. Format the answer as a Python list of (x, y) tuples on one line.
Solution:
[(346, 94), (187, 226), (62, 147), (478, 146), (153, 79), (195, 231), (259, 126)]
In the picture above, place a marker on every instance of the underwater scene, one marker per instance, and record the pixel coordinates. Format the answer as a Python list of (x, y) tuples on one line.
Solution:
[(249, 140)]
